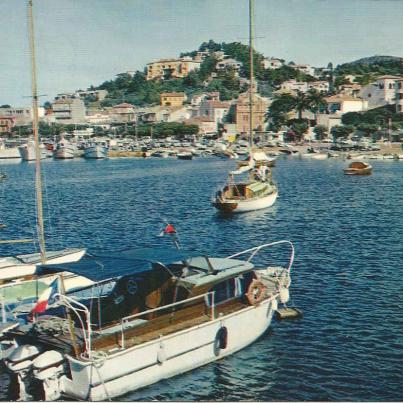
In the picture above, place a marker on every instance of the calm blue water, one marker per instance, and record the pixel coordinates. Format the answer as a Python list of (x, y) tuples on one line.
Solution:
[(347, 275)]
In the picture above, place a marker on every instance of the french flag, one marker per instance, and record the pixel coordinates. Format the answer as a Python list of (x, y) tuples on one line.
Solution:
[(46, 298)]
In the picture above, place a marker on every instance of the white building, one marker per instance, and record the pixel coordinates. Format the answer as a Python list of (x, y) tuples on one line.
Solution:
[(228, 64), (294, 85), (68, 110), (341, 104), (215, 110), (304, 68), (381, 92), (99, 95), (22, 116), (399, 95), (272, 63), (320, 86)]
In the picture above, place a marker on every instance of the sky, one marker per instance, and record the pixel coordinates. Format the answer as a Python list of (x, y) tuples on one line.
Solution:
[(86, 42)]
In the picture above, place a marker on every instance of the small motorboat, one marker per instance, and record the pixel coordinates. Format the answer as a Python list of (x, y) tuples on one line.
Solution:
[(184, 155), (358, 168)]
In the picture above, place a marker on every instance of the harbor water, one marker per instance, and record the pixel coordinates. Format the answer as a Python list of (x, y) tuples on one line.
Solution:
[(347, 276)]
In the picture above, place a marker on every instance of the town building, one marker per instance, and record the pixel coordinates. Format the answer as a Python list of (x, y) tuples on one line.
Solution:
[(272, 63), (215, 110), (304, 68), (229, 64), (123, 113), (171, 68), (337, 106), (399, 95), (320, 86), (6, 124), (259, 109), (294, 85), (206, 124), (22, 115), (381, 92), (98, 95), (172, 98), (68, 109)]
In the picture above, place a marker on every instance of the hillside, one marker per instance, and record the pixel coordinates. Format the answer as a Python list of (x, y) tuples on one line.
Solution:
[(374, 65), (138, 91)]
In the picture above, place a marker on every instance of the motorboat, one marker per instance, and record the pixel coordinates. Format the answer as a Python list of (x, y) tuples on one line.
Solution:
[(184, 155), (8, 152), (64, 149), (358, 168), (28, 151), (95, 151), (255, 192), (168, 311)]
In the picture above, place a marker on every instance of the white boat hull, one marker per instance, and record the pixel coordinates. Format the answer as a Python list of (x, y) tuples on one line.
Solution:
[(27, 153), (95, 152), (25, 265), (65, 153), (165, 357), (246, 205), (8, 153)]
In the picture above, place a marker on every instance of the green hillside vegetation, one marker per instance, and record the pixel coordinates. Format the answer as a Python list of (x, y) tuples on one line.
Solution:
[(371, 67), (140, 92)]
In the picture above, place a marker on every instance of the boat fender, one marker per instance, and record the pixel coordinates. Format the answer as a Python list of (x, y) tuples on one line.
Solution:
[(23, 353), (274, 305), (119, 299), (256, 292), (161, 354), (221, 340), (284, 295), (132, 286)]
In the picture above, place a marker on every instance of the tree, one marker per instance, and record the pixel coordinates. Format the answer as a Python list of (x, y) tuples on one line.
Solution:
[(302, 102), (316, 102), (299, 127), (320, 132), (341, 131)]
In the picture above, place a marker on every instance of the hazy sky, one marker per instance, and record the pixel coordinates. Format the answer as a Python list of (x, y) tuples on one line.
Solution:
[(84, 42)]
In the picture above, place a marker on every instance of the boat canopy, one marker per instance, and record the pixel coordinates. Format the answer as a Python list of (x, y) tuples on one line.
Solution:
[(257, 187), (101, 266)]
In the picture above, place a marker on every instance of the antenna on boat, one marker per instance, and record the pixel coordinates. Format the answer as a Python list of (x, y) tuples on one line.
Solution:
[(38, 174)]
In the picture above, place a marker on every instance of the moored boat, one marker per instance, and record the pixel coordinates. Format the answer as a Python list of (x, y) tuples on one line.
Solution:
[(358, 168), (95, 151), (170, 311), (28, 151), (64, 149), (184, 155)]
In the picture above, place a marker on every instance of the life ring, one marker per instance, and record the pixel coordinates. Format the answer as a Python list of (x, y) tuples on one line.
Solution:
[(256, 292), (221, 340)]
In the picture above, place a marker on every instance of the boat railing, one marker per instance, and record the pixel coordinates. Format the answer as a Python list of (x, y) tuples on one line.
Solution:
[(255, 250), (77, 307), (127, 319)]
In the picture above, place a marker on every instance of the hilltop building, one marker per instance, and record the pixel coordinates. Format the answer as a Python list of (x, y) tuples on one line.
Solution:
[(99, 95), (272, 63), (399, 95), (172, 68), (229, 64)]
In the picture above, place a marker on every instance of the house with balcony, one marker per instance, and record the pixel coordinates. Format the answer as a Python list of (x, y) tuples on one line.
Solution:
[(22, 115), (229, 64), (68, 109), (399, 95)]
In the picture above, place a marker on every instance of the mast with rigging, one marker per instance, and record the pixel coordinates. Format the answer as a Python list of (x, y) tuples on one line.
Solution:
[(35, 120), (251, 34)]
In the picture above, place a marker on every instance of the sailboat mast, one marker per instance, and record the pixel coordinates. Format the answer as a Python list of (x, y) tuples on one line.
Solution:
[(251, 35), (35, 120)]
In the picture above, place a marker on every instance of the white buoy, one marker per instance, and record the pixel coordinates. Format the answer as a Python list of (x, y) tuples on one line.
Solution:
[(284, 295)]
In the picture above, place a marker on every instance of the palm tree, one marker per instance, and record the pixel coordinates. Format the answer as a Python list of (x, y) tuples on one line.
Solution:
[(316, 101), (302, 103)]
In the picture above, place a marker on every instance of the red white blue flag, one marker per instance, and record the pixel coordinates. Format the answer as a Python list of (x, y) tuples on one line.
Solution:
[(46, 298)]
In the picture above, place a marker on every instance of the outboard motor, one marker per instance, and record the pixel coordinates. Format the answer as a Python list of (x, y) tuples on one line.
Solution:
[(19, 363), (48, 368)]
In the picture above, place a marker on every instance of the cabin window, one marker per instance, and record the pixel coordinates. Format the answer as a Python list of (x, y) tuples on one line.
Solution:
[(226, 290)]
